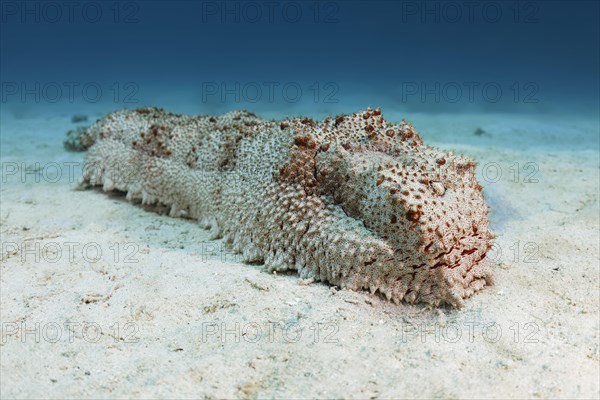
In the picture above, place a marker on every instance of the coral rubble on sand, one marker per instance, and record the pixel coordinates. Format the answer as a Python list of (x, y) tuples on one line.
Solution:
[(353, 200)]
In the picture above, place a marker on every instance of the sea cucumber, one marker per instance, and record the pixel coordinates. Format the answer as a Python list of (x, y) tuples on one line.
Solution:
[(78, 139), (352, 200)]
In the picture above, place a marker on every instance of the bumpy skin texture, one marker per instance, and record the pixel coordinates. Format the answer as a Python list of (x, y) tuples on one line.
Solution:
[(353, 200), (78, 139)]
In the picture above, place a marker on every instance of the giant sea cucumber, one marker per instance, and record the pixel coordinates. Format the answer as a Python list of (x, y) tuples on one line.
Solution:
[(352, 200)]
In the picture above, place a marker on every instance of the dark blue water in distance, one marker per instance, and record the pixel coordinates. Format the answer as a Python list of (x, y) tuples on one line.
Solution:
[(302, 57)]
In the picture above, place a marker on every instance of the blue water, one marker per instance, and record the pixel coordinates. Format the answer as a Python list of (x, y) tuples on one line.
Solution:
[(302, 57)]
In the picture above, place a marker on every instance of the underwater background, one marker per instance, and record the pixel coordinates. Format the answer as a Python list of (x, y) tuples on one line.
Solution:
[(302, 57), (512, 85)]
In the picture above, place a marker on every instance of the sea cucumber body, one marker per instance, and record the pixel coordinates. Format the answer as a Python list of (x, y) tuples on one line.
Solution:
[(353, 200)]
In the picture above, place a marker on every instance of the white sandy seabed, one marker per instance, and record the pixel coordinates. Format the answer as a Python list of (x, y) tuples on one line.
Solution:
[(103, 299)]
